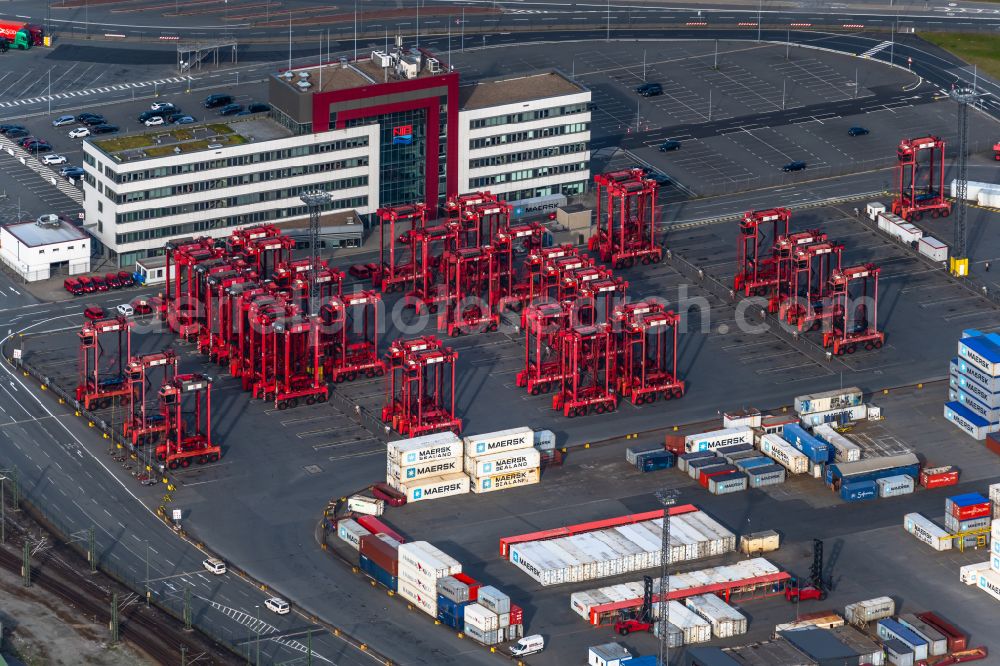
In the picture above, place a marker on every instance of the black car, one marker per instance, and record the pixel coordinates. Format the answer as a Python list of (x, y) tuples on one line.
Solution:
[(217, 100), (103, 129), (660, 179), (93, 120), (258, 107), (72, 172), (39, 147), (16, 133), (82, 118), (146, 115), (650, 89), (857, 131), (230, 109), (794, 166), (6, 128), (670, 145), (175, 116)]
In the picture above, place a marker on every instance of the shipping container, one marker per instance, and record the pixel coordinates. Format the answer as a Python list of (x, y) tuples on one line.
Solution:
[(714, 439), (458, 588), (888, 629), (766, 475), (480, 636), (933, 249), (972, 402), (870, 469), (707, 472), (732, 482), (502, 440), (824, 402), (452, 614), (982, 351), (382, 550), (427, 558), (633, 452), (686, 458), (955, 526), (750, 418), (959, 368), (481, 618), (427, 448), (858, 491), (759, 461), (968, 506), (840, 416), (937, 643), (693, 628), (784, 454), (756, 543), (421, 600), (926, 531), (893, 486), (727, 451), (972, 385), (493, 599), (503, 462), (899, 653), (909, 234), (376, 526), (938, 477), (694, 466), (505, 481), (989, 581), (726, 621), (873, 209), (968, 421), (395, 475), (350, 532), (377, 573), (367, 505), (814, 448), (969, 573), (957, 640), (869, 610), (435, 487), (649, 462), (844, 450), (734, 458)]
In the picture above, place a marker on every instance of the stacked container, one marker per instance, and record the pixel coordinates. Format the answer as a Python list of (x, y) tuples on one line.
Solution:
[(814, 448), (481, 624), (715, 439), (491, 618), (350, 532), (966, 513), (379, 558), (889, 629), (501, 460), (427, 467), (685, 626), (994, 493), (926, 531), (840, 405), (784, 454), (974, 384), (455, 592), (844, 450), (725, 620), (421, 566)]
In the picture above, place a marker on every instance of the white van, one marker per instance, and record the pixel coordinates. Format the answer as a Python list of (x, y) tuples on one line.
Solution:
[(277, 605), (214, 565), (528, 645)]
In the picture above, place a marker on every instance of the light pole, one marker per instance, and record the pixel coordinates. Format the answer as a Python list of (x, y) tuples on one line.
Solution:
[(667, 498), (50, 91), (147, 573), (760, 8), (258, 634)]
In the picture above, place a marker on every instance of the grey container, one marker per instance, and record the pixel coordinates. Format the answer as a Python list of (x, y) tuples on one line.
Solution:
[(766, 475), (726, 451), (937, 644), (493, 599), (482, 637), (695, 465), (632, 453), (685, 459), (734, 458), (954, 525), (453, 589), (893, 486)]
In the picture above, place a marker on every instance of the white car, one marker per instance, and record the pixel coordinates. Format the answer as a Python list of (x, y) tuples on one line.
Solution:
[(79, 132), (52, 159), (155, 120), (277, 605), (213, 564), (161, 106), (127, 310)]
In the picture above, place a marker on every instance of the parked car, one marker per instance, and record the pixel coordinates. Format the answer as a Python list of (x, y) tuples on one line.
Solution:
[(125, 310), (142, 307), (162, 106), (184, 120), (650, 89), (670, 145), (73, 286), (79, 132), (857, 131), (794, 166), (155, 120), (6, 129), (54, 158), (113, 281), (95, 119), (104, 129), (216, 100), (363, 271), (213, 564), (72, 172), (230, 109), (82, 118), (63, 120), (146, 115), (99, 283), (94, 312), (258, 107), (39, 147), (87, 284), (26, 140), (126, 278), (277, 605)]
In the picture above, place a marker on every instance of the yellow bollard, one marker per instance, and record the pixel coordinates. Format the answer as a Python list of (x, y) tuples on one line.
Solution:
[(920, 386), (77, 413), (44, 387), (885, 391), (676, 428), (587, 445), (90, 424)]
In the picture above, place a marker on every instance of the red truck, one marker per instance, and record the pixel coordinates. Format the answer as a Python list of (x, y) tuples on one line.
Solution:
[(996, 151), (20, 35)]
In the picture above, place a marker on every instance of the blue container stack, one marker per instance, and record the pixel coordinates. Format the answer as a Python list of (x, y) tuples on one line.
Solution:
[(974, 384), (814, 448)]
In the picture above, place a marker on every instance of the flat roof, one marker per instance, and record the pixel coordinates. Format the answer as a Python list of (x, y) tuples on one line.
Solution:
[(517, 89), (168, 140), (32, 234), (327, 77)]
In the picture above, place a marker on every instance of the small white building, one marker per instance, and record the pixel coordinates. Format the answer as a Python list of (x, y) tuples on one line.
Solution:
[(49, 246)]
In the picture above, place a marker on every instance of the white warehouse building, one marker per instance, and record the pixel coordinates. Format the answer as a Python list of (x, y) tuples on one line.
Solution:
[(37, 250)]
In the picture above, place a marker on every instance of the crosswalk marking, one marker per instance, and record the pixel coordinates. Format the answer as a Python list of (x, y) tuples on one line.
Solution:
[(875, 49), (260, 626), (92, 91)]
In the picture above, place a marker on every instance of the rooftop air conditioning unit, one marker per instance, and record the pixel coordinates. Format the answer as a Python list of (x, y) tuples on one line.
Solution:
[(343, 62), (304, 85), (303, 74), (434, 65)]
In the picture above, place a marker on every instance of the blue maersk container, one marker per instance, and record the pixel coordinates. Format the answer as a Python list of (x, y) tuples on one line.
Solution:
[(750, 463), (380, 575), (814, 448), (452, 613), (858, 491), (648, 462)]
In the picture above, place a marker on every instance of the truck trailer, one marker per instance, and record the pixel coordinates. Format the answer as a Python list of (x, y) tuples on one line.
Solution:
[(21, 35)]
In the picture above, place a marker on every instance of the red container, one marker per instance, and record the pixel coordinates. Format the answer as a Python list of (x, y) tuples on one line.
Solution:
[(380, 551), (516, 614), (981, 510), (473, 584), (388, 494), (674, 443), (956, 639), (938, 477), (993, 444), (703, 477), (376, 526)]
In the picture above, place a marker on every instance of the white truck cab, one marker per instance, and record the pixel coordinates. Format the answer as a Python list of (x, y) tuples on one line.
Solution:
[(528, 645)]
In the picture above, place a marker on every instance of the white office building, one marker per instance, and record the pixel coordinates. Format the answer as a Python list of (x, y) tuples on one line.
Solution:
[(39, 250)]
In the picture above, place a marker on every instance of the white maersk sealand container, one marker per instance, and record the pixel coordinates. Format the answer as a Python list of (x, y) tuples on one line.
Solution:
[(435, 487), (487, 484), (828, 400), (842, 414), (502, 440), (844, 449), (714, 439), (926, 531), (505, 461), (784, 454), (726, 621), (439, 446), (969, 573), (396, 475)]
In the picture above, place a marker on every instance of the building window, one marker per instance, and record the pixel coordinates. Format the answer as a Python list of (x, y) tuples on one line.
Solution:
[(527, 135), (528, 116)]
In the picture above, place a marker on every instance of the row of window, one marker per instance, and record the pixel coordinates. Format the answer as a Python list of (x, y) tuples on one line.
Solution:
[(528, 135), (527, 155), (233, 220), (242, 200), (238, 160), (526, 174), (528, 116), (567, 189), (245, 179)]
